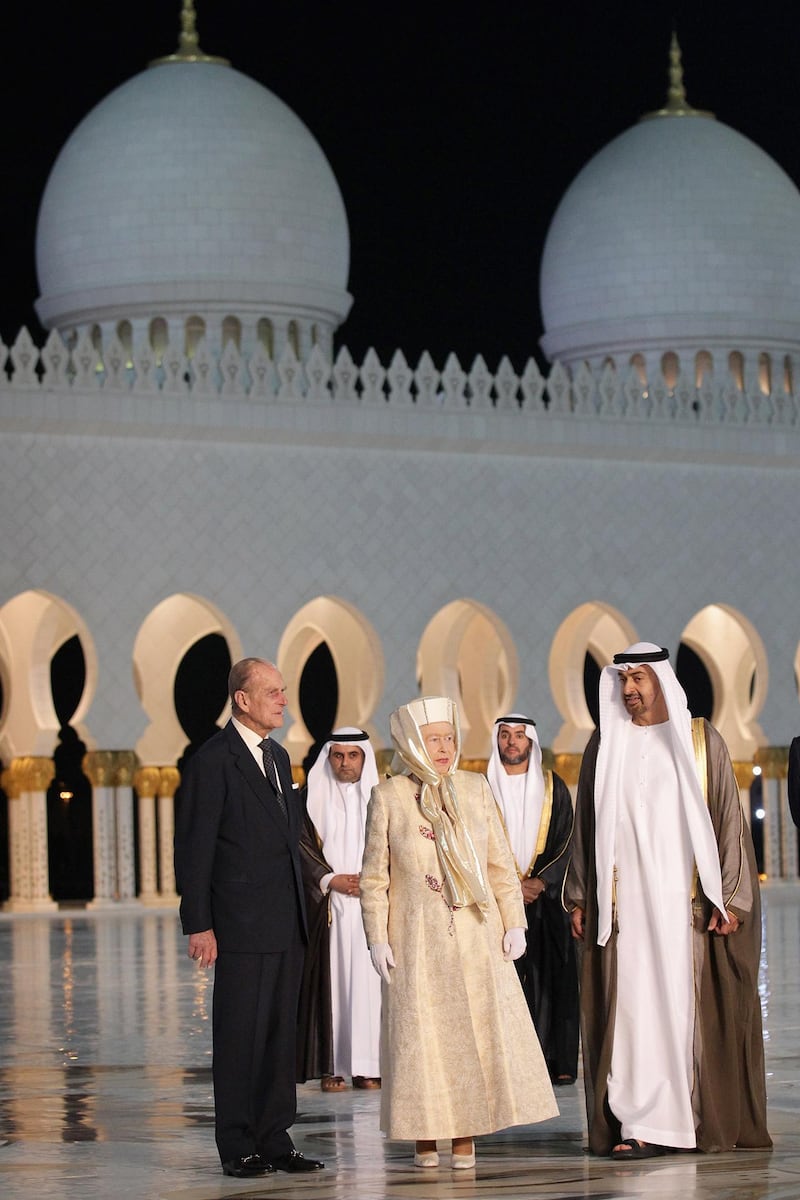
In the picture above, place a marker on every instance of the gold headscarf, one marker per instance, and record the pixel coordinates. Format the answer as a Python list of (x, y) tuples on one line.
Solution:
[(463, 883)]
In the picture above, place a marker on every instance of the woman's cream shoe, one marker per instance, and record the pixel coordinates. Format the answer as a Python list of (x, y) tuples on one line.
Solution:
[(461, 1162), (428, 1158)]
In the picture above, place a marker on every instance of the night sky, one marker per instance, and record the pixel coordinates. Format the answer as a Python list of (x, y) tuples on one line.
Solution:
[(452, 128)]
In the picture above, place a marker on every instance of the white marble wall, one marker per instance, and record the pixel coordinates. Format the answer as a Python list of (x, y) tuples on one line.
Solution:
[(398, 511)]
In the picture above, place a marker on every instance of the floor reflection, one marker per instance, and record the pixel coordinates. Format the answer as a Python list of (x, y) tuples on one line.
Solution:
[(105, 1088)]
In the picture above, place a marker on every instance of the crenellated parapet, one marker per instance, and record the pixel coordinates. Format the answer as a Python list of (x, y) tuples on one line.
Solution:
[(719, 394)]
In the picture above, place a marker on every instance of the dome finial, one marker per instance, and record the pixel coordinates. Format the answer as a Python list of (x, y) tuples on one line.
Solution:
[(676, 105), (189, 43)]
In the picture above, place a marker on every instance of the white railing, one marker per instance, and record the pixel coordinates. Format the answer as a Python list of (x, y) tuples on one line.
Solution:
[(610, 394)]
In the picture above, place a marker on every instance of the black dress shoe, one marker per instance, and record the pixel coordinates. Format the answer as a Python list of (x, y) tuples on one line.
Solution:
[(247, 1166), (294, 1162)]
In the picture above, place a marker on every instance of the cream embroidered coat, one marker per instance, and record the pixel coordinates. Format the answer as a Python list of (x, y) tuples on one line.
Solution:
[(459, 1054)]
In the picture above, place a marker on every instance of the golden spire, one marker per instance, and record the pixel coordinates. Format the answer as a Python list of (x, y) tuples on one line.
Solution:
[(677, 105), (189, 44)]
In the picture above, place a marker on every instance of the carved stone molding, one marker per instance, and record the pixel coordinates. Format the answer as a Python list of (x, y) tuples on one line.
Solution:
[(773, 760), (170, 778), (124, 767), (32, 774), (146, 781), (100, 766)]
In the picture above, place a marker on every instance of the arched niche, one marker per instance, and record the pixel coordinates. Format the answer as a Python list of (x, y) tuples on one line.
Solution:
[(357, 656), (195, 331), (594, 628), (670, 368), (33, 626), (788, 373), (637, 362), (265, 333), (734, 656), (159, 335), (466, 652), (232, 332), (703, 367), (164, 638)]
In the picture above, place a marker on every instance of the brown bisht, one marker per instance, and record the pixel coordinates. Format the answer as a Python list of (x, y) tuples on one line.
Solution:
[(729, 1095)]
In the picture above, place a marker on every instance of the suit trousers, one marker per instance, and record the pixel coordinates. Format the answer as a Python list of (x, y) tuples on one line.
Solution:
[(254, 1036)]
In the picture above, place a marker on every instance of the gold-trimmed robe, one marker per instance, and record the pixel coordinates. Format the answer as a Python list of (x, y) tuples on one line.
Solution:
[(729, 1094)]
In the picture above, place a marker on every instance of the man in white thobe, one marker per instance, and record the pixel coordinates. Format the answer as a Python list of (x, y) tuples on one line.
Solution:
[(663, 891), (340, 1003)]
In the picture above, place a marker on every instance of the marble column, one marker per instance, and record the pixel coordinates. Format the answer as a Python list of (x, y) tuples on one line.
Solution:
[(17, 836), (99, 766), (167, 787), (146, 781), (124, 767), (28, 779), (781, 835), (774, 761)]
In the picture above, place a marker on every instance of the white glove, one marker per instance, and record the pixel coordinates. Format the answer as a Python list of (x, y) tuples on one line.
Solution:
[(382, 959), (513, 944)]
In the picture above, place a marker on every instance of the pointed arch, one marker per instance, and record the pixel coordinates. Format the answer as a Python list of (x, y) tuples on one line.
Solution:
[(165, 636), (594, 628), (34, 625), (732, 652), (357, 657), (466, 652)]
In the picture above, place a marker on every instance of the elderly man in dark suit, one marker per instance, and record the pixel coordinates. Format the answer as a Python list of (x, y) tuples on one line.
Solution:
[(238, 869)]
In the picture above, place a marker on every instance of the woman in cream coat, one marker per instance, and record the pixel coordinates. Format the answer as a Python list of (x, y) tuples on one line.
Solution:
[(444, 917)]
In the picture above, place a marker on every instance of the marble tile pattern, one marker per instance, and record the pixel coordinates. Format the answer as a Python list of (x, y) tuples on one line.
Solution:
[(85, 529), (105, 1088)]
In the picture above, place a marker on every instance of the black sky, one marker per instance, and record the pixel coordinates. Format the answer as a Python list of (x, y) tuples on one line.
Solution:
[(452, 128)]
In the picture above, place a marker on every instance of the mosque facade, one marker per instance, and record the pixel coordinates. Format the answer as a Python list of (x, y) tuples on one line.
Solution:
[(188, 457)]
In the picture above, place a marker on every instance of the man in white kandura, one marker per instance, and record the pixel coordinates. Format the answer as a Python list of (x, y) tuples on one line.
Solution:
[(340, 1000), (663, 891)]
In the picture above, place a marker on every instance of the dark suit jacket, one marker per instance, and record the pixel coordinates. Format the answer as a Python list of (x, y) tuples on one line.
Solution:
[(237, 861), (794, 780)]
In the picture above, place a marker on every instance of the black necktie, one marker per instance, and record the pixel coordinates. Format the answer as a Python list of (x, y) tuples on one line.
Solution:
[(272, 774)]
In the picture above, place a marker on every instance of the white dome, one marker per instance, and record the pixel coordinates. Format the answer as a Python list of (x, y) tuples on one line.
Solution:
[(680, 232), (191, 187)]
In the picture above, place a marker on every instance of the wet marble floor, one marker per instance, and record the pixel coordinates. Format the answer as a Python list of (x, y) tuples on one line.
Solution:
[(105, 1088)]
